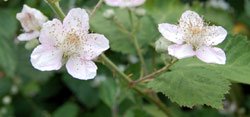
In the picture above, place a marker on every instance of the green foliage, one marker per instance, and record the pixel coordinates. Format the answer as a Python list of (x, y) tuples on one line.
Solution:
[(144, 27), (8, 26), (83, 90), (67, 110), (5, 86), (189, 82), (192, 82), (247, 7)]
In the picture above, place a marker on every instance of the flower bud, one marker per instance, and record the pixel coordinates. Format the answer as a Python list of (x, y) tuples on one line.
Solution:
[(161, 45), (31, 44), (14, 89), (6, 100), (140, 12), (109, 13)]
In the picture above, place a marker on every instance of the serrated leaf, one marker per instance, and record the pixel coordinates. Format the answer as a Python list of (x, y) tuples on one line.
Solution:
[(147, 31), (192, 82), (8, 27), (190, 87)]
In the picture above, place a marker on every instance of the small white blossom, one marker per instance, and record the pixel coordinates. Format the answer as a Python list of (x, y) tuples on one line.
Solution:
[(31, 20), (140, 11), (6, 100), (124, 3), (192, 37), (69, 42), (219, 4), (109, 13)]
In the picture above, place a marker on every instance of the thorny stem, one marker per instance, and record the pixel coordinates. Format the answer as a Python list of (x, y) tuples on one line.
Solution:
[(112, 66), (154, 74)]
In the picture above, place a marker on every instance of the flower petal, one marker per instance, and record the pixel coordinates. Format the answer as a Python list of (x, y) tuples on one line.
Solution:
[(80, 68), (46, 58), (190, 19), (28, 36), (215, 35), (171, 32), (94, 45), (124, 3), (31, 19), (52, 33), (76, 20), (211, 55), (181, 51)]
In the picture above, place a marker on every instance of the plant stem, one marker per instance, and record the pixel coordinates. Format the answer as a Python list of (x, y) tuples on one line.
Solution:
[(154, 74), (98, 5), (134, 41), (56, 8), (111, 65), (139, 52), (154, 100)]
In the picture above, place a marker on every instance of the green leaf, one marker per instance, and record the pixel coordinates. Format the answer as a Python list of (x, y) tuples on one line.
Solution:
[(5, 86), (121, 42), (67, 110), (192, 82), (8, 26), (165, 10), (108, 92), (83, 90), (247, 7), (192, 86)]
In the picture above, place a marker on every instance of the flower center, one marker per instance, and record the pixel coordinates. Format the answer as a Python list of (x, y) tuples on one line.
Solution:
[(194, 36), (71, 45)]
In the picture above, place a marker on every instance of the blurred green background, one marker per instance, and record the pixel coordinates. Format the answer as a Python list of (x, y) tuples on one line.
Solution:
[(26, 92)]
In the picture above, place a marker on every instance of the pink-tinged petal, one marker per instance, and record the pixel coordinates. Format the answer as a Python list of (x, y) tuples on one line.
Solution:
[(46, 58), (76, 20), (28, 36), (171, 32), (80, 68), (211, 55), (31, 19), (114, 3), (181, 51), (190, 19), (124, 3), (52, 33), (94, 45), (215, 35)]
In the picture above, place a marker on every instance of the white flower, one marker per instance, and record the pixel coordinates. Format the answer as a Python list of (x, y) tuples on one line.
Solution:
[(192, 37), (31, 20), (124, 3), (69, 42)]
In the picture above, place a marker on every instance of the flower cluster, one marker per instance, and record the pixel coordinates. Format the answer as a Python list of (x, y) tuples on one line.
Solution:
[(69, 41)]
